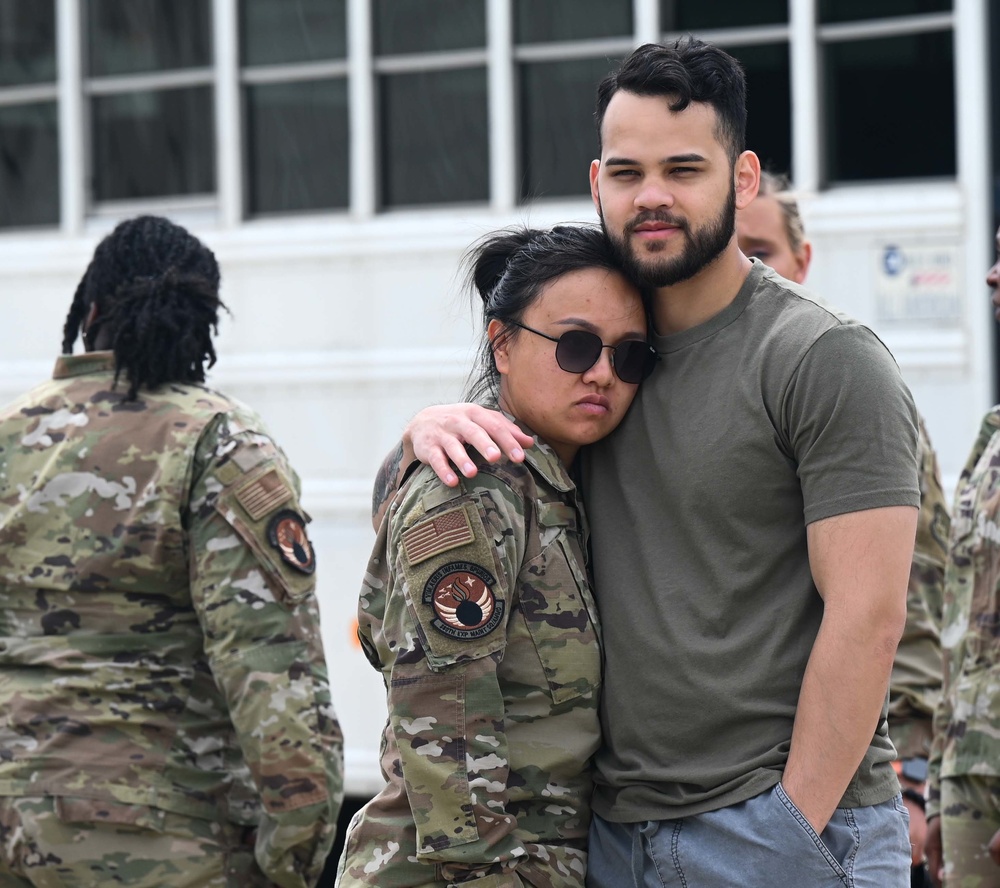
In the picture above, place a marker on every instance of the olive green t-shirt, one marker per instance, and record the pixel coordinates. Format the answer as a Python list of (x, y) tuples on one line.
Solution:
[(775, 413)]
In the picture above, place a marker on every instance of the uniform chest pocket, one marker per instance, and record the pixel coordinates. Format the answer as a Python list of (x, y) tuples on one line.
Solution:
[(559, 615)]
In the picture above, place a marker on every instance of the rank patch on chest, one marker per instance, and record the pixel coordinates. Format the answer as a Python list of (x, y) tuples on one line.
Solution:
[(287, 533), (462, 598), (449, 530)]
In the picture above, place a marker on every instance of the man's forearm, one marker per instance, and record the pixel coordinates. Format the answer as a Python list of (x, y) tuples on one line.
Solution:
[(840, 703), (860, 562)]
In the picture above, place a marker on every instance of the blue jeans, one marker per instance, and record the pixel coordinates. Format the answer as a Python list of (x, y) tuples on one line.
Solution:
[(763, 841)]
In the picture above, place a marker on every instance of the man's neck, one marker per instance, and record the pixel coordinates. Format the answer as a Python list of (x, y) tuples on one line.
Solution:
[(692, 302)]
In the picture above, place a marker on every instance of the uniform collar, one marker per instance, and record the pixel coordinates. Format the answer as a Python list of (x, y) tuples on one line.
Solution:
[(88, 362), (543, 459)]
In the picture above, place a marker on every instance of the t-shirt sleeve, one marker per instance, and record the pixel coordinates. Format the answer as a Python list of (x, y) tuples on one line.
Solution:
[(851, 426)]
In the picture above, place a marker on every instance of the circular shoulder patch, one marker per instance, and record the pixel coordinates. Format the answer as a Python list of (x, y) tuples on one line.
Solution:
[(287, 533), (462, 598)]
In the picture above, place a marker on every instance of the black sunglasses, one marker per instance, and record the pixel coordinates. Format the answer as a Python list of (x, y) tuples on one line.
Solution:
[(578, 350)]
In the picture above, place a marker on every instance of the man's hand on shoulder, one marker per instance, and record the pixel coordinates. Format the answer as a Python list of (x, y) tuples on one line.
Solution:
[(438, 436)]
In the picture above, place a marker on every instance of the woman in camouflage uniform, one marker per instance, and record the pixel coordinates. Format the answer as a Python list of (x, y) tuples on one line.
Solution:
[(165, 714), (477, 607)]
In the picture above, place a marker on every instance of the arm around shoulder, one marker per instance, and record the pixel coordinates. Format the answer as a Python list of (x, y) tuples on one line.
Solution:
[(439, 436)]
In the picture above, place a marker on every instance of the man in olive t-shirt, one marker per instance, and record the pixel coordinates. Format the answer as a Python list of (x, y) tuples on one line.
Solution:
[(752, 520)]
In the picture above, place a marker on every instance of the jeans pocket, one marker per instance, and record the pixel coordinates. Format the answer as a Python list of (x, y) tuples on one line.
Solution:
[(897, 803), (839, 842)]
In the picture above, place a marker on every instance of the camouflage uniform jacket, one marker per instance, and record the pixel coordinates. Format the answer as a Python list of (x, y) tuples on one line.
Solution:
[(915, 685), (967, 722), (478, 611), (159, 637)]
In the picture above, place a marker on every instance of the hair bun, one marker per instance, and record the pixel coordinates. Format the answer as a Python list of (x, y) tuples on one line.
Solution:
[(493, 253)]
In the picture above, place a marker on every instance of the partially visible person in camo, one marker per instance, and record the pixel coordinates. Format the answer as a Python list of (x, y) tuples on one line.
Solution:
[(477, 606), (165, 714), (963, 797)]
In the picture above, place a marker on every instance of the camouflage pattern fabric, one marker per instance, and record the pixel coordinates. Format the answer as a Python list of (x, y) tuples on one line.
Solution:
[(970, 816), (915, 685), (967, 722), (159, 634), (44, 841), (477, 609)]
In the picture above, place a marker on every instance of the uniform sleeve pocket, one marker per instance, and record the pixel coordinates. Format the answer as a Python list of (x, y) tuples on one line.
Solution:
[(557, 615), (456, 590), (427, 715), (263, 510)]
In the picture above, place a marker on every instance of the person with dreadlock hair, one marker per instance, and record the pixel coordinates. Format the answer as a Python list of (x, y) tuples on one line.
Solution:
[(150, 295), (165, 713)]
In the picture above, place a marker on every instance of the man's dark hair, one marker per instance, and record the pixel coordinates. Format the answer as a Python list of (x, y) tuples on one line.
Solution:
[(156, 288), (688, 70)]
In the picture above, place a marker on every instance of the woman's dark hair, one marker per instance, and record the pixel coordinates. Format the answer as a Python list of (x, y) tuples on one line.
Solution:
[(688, 70), (509, 269), (156, 288)]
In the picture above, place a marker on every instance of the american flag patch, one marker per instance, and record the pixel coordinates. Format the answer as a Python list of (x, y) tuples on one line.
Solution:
[(449, 530), (263, 495)]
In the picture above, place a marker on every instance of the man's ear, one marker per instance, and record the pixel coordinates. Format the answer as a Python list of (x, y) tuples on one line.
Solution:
[(746, 178)]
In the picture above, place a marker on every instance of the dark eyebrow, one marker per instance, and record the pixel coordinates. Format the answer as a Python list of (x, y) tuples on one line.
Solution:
[(575, 322), (587, 325), (685, 158), (674, 158)]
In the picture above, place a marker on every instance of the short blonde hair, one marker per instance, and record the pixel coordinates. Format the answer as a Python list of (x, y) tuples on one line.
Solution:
[(777, 185)]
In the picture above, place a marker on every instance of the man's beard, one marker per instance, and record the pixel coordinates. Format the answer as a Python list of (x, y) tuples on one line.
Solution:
[(701, 247)]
